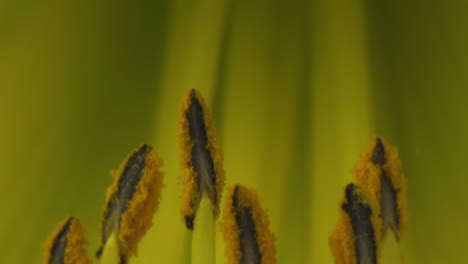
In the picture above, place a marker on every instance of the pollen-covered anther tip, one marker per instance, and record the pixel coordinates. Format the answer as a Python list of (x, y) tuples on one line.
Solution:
[(246, 230), (378, 171), (200, 157), (67, 244), (354, 240), (378, 155), (132, 200)]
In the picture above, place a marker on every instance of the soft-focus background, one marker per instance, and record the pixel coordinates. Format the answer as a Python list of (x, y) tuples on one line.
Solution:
[(297, 89)]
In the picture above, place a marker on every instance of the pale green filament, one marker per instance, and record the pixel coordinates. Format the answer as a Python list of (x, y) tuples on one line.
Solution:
[(111, 252), (203, 236)]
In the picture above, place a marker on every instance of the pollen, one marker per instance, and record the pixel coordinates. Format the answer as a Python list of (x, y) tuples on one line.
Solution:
[(354, 238), (200, 157), (132, 200), (246, 229), (379, 172), (67, 244)]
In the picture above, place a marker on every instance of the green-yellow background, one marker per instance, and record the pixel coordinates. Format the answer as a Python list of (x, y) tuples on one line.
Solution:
[(297, 89)]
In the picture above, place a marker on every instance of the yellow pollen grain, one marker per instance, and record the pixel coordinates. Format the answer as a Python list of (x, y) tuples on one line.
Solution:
[(342, 241), (247, 198), (76, 241)]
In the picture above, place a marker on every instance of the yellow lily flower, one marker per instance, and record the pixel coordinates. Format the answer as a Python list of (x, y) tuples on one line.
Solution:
[(296, 89)]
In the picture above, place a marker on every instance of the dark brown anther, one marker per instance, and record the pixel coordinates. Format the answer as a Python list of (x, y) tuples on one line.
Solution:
[(250, 250), (378, 156), (360, 214)]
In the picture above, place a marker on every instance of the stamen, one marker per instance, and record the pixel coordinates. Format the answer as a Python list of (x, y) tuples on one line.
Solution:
[(200, 157), (67, 244), (246, 229), (60, 244), (132, 200), (379, 172), (354, 239), (360, 214), (248, 234)]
